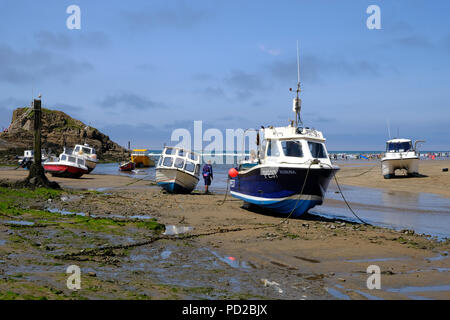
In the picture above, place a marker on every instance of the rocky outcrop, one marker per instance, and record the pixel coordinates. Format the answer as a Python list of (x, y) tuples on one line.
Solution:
[(58, 130)]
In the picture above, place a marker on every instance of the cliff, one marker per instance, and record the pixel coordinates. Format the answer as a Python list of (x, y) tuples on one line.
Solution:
[(58, 129)]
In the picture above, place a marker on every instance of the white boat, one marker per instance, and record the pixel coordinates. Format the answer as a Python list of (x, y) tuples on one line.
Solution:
[(27, 159), (88, 154), (178, 170), (400, 155), (66, 166)]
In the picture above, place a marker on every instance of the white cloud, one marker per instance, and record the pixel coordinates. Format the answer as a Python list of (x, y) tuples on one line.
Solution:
[(271, 51)]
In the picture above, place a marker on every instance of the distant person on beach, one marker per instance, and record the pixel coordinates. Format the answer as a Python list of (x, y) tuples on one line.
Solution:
[(207, 175)]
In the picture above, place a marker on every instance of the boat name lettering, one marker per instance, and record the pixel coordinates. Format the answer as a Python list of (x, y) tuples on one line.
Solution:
[(269, 171), (287, 171)]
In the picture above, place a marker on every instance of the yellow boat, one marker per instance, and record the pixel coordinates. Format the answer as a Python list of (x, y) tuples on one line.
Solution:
[(141, 158)]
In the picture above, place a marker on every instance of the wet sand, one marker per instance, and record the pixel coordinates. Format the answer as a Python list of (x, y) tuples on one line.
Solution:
[(241, 254), (432, 179)]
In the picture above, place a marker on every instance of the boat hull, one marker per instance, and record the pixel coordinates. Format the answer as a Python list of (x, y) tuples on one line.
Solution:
[(142, 161), (388, 166), (281, 190), (64, 171), (90, 164), (129, 166), (175, 181)]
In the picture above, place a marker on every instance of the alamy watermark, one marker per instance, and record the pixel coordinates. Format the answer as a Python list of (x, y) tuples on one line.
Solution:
[(74, 280), (214, 145), (374, 280), (74, 20)]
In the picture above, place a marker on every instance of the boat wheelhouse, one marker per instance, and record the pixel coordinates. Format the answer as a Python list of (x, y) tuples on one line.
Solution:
[(88, 153), (400, 155), (178, 170), (141, 158), (66, 166)]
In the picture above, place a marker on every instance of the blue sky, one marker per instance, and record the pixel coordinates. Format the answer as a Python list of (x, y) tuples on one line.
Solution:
[(138, 70)]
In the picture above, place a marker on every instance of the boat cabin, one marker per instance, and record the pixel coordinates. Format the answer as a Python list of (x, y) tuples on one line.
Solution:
[(292, 145), (399, 145), (63, 157), (181, 159), (85, 149)]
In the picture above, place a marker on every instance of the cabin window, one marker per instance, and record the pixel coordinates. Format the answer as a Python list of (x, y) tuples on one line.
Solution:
[(292, 148), (272, 149), (87, 150), (80, 161), (168, 161), (398, 146), (191, 156), (181, 153), (317, 150), (77, 149), (179, 163), (171, 151), (160, 161), (190, 166), (63, 157), (72, 159)]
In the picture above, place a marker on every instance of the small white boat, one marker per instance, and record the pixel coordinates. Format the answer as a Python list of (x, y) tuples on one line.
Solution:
[(27, 159), (400, 155), (88, 154), (66, 166), (178, 170)]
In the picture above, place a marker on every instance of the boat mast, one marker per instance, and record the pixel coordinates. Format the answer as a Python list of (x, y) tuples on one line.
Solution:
[(297, 101)]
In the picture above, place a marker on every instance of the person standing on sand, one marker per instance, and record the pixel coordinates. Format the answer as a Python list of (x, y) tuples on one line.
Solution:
[(207, 175)]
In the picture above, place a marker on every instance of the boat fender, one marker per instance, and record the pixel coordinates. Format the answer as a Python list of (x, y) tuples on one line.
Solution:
[(233, 173)]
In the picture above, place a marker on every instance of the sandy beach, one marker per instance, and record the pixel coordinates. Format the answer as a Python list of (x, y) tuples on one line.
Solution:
[(228, 252)]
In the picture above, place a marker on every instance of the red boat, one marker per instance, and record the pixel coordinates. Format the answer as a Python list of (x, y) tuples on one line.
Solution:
[(127, 166), (66, 166)]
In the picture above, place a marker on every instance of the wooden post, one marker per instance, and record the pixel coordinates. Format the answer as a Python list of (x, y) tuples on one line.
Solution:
[(37, 132), (36, 177)]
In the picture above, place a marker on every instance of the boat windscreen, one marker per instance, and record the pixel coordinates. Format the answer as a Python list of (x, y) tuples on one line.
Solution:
[(170, 151), (272, 149), (190, 166), (399, 146), (317, 150), (179, 163), (292, 148), (168, 161)]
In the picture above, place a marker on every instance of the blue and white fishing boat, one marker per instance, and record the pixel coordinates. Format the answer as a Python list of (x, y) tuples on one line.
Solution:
[(291, 172), (178, 170)]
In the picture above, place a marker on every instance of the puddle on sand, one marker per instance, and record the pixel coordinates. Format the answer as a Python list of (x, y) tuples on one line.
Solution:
[(166, 254), (231, 261), (19, 223), (419, 289), (377, 259), (368, 296), (2, 242), (66, 213), (337, 294), (424, 213), (441, 256), (172, 230)]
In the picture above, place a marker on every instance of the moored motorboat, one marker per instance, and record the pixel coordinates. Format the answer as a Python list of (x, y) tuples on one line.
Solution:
[(27, 159), (127, 166), (88, 153), (66, 166), (291, 172), (400, 155), (178, 170)]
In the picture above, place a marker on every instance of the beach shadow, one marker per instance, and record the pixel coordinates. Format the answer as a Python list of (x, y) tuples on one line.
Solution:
[(418, 175), (304, 217)]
